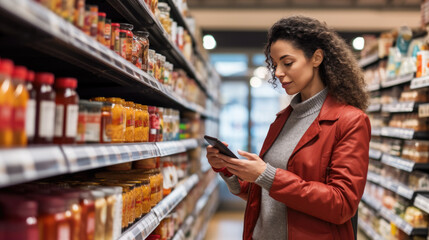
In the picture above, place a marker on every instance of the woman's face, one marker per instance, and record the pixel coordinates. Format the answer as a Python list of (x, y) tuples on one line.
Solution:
[(296, 73)]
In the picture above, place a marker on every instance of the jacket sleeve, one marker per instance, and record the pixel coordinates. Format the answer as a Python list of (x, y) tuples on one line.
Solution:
[(335, 201)]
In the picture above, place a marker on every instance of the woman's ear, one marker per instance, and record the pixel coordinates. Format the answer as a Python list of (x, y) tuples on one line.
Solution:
[(317, 57)]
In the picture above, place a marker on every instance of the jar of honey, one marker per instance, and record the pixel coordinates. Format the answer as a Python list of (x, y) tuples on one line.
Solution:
[(145, 123), (138, 123), (130, 125), (118, 120)]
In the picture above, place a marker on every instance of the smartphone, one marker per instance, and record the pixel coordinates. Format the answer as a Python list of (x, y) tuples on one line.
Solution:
[(220, 146)]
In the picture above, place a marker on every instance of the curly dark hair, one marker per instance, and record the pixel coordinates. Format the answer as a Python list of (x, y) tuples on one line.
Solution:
[(339, 70)]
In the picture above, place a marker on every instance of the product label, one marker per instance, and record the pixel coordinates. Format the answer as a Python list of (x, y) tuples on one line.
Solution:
[(59, 120), (30, 116), (90, 226), (92, 128), (138, 123), (71, 124), (64, 232), (81, 127), (18, 117), (5, 117), (46, 119)]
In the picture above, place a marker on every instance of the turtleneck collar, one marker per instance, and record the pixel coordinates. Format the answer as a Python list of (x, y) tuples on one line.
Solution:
[(309, 106)]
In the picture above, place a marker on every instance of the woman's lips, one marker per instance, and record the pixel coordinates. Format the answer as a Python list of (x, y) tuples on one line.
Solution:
[(285, 84)]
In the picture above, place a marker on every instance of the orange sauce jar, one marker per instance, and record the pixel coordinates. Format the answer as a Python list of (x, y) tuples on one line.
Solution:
[(138, 123), (118, 120), (130, 124)]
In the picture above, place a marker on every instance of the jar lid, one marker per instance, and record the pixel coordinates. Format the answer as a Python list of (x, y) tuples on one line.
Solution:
[(129, 33), (126, 26), (44, 77), (142, 33), (66, 83), (114, 100), (129, 104), (19, 72), (144, 107), (98, 99), (115, 25), (101, 14), (6, 66), (30, 76), (163, 6)]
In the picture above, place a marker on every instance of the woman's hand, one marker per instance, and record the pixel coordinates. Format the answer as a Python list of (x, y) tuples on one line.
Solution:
[(213, 157), (247, 170)]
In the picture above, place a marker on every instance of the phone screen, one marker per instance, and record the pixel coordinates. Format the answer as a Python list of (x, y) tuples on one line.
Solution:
[(216, 143)]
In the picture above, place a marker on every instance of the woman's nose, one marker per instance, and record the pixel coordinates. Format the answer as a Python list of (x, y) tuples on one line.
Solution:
[(279, 72)]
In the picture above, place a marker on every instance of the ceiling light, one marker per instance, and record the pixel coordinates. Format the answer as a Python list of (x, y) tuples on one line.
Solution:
[(209, 42), (255, 82), (358, 43)]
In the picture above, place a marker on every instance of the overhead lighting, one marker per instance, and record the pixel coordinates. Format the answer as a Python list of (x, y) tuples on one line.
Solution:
[(358, 43), (255, 82), (209, 42), (260, 72)]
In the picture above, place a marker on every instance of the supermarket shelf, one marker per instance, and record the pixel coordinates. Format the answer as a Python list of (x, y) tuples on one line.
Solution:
[(181, 21), (403, 133), (18, 165), (201, 203), (422, 201), (84, 157), (149, 222), (397, 81), (375, 154), (402, 224), (60, 39), (26, 164), (373, 87), (373, 203), (395, 187), (370, 60), (138, 14), (376, 131), (368, 230), (420, 82), (403, 164), (400, 107), (374, 108)]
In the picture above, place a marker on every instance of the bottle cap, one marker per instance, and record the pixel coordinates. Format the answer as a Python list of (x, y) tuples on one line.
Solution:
[(6, 66), (102, 14), (66, 83), (44, 77), (19, 72), (30, 76)]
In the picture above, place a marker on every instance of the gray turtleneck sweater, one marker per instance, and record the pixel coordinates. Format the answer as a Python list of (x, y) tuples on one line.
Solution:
[(272, 221)]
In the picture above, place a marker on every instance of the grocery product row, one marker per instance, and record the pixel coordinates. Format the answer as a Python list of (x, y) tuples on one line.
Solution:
[(92, 57), (100, 204)]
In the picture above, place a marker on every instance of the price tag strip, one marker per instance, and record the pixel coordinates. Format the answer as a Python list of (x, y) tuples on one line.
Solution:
[(376, 131), (399, 80), (26, 164), (369, 230), (398, 107), (374, 108), (419, 82), (402, 133), (422, 202), (375, 154), (397, 162), (368, 60)]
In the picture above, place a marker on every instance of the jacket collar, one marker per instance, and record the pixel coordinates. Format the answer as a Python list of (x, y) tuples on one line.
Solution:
[(328, 112)]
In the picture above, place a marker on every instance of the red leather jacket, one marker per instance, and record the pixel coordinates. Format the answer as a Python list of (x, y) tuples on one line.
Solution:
[(325, 176)]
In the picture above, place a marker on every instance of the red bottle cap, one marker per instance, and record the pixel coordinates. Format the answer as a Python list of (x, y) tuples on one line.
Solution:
[(19, 72), (102, 14), (6, 66), (66, 83), (115, 25), (44, 77), (30, 76)]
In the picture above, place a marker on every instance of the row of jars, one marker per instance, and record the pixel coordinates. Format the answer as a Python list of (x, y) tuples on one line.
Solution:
[(81, 207)]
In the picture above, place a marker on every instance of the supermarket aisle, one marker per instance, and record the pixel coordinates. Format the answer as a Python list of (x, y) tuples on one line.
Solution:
[(226, 225)]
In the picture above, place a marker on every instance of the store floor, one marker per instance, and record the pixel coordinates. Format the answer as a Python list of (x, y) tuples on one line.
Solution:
[(225, 225)]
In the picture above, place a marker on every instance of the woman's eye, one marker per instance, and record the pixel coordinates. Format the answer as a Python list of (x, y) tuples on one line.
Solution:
[(288, 64)]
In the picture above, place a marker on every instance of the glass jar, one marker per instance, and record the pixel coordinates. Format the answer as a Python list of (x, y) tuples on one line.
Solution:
[(66, 111), (101, 27), (93, 21), (30, 114), (138, 191), (138, 124), (6, 103), (130, 124), (164, 16), (146, 196), (151, 63), (145, 123), (118, 120), (115, 43), (93, 122), (126, 38), (74, 211), (166, 74), (106, 120), (107, 32), (53, 222), (87, 205), (20, 99), (158, 68), (153, 124), (143, 38), (154, 6), (100, 214), (162, 69), (136, 51), (160, 112), (45, 113)]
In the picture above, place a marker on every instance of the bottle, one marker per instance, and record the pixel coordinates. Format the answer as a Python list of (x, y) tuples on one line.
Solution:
[(130, 125), (153, 124), (54, 224), (45, 108), (66, 111), (6, 103), (30, 114), (118, 120), (20, 101)]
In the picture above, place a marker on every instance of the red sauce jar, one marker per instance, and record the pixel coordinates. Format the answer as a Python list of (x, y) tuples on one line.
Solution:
[(45, 108), (66, 110), (30, 114), (153, 124)]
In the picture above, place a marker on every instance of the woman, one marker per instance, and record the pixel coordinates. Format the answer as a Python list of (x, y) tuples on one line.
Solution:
[(310, 175)]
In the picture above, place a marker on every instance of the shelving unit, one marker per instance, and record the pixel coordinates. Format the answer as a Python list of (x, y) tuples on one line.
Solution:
[(369, 231), (46, 41)]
